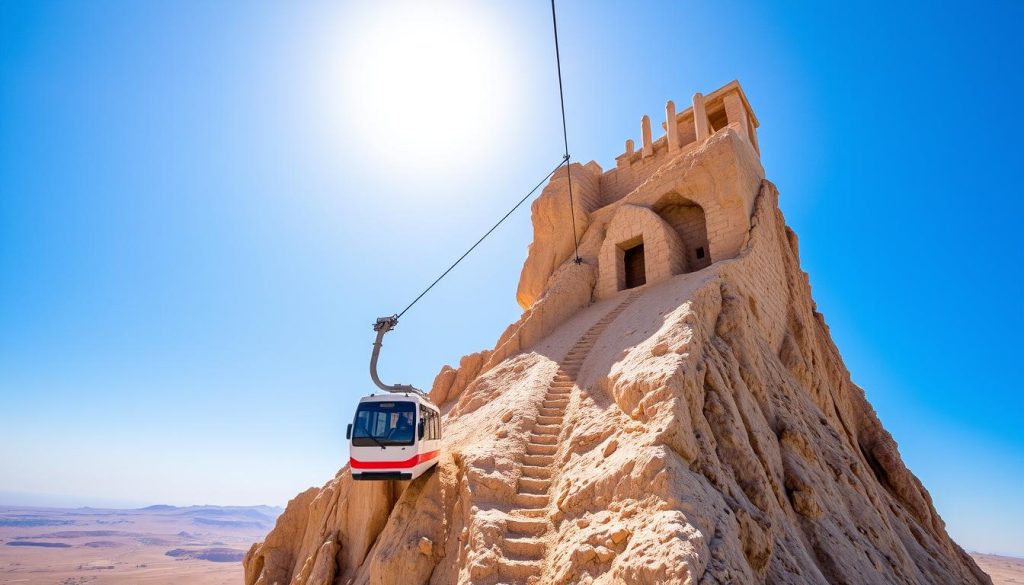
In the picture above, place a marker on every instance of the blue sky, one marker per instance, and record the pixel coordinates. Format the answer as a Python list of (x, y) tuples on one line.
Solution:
[(203, 207)]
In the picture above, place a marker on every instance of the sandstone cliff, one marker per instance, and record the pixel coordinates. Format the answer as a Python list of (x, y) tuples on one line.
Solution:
[(681, 419), (700, 443)]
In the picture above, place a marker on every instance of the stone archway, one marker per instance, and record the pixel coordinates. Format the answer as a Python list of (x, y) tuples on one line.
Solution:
[(662, 255), (688, 220)]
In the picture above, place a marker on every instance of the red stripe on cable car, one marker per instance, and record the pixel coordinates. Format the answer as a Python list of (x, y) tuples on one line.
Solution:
[(410, 462)]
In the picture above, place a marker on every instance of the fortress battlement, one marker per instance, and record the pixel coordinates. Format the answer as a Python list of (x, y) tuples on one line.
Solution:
[(675, 205)]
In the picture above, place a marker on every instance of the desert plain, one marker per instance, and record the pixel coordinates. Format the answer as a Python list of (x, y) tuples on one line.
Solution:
[(200, 545), (164, 544), (1003, 570)]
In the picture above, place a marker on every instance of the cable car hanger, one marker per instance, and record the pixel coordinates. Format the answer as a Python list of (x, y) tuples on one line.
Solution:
[(385, 324)]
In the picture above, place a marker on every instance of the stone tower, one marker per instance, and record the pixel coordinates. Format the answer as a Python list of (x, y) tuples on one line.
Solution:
[(675, 205)]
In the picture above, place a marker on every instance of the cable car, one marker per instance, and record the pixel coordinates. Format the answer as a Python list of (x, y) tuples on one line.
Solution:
[(394, 437), (397, 435)]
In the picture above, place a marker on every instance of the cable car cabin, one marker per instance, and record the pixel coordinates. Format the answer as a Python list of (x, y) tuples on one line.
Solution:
[(394, 436)]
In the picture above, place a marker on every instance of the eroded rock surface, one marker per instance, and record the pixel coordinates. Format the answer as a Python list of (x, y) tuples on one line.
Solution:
[(694, 450), (698, 430)]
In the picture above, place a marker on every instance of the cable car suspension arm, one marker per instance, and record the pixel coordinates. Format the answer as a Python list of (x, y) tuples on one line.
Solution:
[(382, 326)]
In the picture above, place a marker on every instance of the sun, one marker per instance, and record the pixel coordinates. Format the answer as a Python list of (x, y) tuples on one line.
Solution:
[(427, 85)]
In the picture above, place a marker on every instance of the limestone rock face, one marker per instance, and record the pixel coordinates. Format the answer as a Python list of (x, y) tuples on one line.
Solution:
[(712, 435), (699, 429), (551, 212)]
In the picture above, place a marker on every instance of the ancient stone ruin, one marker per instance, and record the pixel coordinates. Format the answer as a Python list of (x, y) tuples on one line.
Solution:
[(654, 220), (670, 410)]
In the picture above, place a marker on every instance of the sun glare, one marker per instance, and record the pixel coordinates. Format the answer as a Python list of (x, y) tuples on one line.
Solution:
[(426, 85)]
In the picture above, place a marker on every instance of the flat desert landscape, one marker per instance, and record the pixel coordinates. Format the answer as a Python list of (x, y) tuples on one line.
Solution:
[(1003, 570), (201, 545)]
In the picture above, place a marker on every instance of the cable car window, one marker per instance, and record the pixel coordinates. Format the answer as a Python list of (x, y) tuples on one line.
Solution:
[(384, 423)]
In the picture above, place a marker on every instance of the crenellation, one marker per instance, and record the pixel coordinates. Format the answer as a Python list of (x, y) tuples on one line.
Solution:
[(645, 136), (671, 127), (700, 116), (722, 108)]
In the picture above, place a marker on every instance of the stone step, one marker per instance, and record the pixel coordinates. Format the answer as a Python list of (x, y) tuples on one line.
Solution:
[(551, 412), (527, 526), (532, 485), (538, 513), (521, 569), (566, 384), (536, 439), (558, 393), (535, 501), (526, 548), (560, 403), (537, 459), (536, 471), (547, 429), (536, 449), (549, 420)]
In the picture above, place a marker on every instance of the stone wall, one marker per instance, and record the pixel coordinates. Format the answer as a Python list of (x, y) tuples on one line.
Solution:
[(688, 220), (664, 254), (701, 177)]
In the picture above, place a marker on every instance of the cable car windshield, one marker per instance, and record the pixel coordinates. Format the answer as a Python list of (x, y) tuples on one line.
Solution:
[(384, 423)]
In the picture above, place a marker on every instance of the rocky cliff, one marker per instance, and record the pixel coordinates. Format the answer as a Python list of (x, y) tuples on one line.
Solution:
[(702, 429)]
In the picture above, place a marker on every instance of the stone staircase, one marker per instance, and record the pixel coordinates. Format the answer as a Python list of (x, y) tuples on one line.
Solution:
[(528, 525)]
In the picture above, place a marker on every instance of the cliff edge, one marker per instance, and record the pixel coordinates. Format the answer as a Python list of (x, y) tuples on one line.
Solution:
[(699, 427)]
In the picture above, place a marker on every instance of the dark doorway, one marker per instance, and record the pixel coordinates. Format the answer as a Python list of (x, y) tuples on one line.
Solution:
[(633, 266)]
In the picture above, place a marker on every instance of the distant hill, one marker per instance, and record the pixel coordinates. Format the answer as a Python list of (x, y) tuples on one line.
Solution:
[(236, 517), (216, 555), (39, 544), (260, 514)]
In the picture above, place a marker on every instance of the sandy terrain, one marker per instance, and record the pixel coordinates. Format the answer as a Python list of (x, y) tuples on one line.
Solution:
[(1003, 570), (162, 544)]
